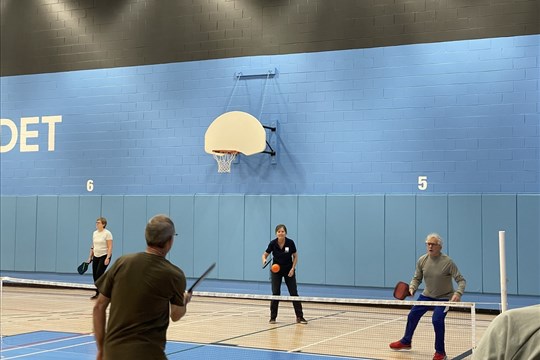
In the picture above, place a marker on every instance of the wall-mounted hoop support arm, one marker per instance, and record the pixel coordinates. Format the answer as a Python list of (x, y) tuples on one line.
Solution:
[(256, 74), (272, 152), (264, 73)]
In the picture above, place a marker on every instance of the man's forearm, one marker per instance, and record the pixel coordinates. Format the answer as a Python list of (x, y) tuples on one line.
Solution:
[(99, 325)]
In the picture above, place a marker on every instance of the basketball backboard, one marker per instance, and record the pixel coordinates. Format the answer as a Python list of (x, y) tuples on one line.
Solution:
[(235, 131)]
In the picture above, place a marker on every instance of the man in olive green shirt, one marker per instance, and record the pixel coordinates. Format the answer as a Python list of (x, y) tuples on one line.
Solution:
[(437, 270), (144, 290)]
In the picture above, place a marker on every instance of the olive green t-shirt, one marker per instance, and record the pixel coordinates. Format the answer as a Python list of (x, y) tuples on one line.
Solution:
[(141, 287)]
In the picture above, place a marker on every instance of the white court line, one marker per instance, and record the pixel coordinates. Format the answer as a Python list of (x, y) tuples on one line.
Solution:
[(45, 342), (46, 351), (349, 333), (270, 351), (238, 310)]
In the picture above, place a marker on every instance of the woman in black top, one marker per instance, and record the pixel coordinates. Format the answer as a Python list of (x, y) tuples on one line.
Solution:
[(284, 254)]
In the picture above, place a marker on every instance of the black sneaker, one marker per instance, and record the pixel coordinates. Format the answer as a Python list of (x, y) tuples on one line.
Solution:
[(272, 321), (301, 320)]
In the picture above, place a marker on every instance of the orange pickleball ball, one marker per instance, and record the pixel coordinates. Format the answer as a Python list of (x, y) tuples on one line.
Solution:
[(275, 268)]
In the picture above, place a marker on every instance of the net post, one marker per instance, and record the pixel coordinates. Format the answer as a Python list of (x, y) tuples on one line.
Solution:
[(502, 265), (473, 326), (1, 311)]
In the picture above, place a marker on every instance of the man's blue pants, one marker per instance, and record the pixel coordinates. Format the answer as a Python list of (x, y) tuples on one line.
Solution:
[(437, 319)]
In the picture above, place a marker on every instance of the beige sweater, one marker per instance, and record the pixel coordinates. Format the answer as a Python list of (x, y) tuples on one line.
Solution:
[(513, 335), (437, 273)]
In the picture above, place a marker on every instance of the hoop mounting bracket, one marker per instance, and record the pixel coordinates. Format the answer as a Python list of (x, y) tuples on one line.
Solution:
[(271, 142)]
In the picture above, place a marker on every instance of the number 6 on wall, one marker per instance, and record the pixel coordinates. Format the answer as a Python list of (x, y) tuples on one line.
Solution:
[(422, 182), (90, 185)]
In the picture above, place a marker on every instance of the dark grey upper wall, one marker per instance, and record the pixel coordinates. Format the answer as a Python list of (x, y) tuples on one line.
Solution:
[(40, 36)]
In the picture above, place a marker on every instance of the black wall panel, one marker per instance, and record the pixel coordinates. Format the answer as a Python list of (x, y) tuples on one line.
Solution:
[(40, 36)]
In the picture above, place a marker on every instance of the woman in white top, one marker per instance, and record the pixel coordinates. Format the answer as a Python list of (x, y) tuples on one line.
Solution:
[(101, 250)]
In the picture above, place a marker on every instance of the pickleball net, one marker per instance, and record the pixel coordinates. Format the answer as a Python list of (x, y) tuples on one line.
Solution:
[(356, 328)]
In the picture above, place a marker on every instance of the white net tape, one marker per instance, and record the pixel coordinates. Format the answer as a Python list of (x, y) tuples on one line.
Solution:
[(224, 161)]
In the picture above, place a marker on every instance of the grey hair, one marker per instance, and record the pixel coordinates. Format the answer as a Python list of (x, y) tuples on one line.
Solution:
[(435, 236)]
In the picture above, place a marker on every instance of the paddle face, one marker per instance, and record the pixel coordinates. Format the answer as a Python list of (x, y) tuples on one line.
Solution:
[(205, 274), (401, 291), (81, 269)]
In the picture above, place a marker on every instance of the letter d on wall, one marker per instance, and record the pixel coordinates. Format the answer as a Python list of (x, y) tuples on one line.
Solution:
[(14, 135)]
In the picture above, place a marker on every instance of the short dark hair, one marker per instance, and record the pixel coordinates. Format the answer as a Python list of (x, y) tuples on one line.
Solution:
[(159, 230), (281, 226)]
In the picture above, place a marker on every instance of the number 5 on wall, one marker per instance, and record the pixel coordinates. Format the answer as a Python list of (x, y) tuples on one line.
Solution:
[(422, 182)]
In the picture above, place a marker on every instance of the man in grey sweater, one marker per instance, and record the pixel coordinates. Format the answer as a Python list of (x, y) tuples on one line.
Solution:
[(437, 270), (514, 334)]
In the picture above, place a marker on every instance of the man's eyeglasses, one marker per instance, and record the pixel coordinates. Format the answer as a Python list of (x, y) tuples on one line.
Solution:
[(431, 244)]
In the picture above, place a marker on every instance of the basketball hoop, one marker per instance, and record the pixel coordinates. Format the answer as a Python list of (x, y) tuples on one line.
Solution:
[(224, 159)]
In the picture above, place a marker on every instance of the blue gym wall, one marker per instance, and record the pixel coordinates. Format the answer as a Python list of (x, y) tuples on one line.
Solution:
[(464, 114), (356, 128), (349, 240)]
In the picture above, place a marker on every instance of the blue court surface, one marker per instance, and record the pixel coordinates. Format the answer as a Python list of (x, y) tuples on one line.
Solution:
[(48, 345)]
